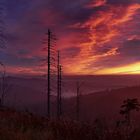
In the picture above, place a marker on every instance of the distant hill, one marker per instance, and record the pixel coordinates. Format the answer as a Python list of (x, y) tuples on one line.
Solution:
[(104, 104), (29, 94)]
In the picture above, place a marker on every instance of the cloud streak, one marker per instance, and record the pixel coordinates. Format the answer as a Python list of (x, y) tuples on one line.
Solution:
[(93, 34), (104, 28)]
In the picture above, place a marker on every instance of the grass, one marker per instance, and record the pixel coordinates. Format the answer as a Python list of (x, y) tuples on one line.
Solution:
[(25, 126)]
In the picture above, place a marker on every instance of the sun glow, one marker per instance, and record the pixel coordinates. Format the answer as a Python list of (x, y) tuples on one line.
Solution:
[(129, 69)]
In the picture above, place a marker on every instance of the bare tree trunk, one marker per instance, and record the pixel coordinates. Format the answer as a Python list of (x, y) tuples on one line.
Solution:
[(60, 98), (77, 100), (58, 86), (4, 85), (2, 45), (3, 88), (49, 47), (2, 24)]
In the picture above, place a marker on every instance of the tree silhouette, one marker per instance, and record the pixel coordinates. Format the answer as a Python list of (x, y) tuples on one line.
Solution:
[(49, 60), (2, 24), (78, 96), (4, 85), (49, 69), (128, 106), (59, 86)]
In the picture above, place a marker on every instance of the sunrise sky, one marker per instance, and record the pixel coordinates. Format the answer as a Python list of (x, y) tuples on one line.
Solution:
[(94, 36)]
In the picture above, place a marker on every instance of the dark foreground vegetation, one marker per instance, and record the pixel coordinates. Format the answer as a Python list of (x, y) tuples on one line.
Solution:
[(26, 126)]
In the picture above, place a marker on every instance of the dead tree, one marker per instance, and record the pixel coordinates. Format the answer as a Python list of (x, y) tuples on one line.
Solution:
[(59, 87), (4, 85), (49, 69), (58, 84), (60, 98), (2, 24), (50, 63), (3, 79), (78, 96)]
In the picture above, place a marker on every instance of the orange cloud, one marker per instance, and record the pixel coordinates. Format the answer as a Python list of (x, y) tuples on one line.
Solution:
[(96, 3), (103, 28)]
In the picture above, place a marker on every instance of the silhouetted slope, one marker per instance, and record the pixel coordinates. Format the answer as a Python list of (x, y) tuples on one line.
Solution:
[(105, 104), (29, 94)]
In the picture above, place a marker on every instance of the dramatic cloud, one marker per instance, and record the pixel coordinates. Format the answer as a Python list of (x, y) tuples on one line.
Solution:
[(94, 36), (96, 3), (106, 28)]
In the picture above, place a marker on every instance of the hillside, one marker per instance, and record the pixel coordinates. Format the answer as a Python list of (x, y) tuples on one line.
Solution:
[(105, 104), (29, 94)]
